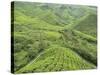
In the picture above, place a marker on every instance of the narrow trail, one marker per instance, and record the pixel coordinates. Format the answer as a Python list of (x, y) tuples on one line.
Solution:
[(33, 61)]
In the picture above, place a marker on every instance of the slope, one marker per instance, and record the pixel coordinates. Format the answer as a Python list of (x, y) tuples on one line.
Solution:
[(56, 58), (52, 37)]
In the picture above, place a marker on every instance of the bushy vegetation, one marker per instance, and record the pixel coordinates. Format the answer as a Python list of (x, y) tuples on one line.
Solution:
[(56, 58), (88, 24), (54, 37)]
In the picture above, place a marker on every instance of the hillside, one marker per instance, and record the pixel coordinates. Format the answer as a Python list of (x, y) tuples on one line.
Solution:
[(54, 37)]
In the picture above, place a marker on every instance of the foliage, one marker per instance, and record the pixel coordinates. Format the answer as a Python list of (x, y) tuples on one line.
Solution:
[(54, 37)]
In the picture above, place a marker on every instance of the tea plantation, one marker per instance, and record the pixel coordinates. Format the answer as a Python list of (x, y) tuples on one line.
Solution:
[(54, 37)]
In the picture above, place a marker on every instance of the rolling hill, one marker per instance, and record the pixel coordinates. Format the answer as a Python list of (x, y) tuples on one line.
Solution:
[(54, 37)]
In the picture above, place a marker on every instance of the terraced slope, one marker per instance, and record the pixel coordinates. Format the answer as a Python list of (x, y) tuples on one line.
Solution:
[(56, 58), (81, 43), (54, 37), (88, 24)]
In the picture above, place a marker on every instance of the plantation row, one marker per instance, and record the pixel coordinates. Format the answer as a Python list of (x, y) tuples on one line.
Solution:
[(54, 37), (68, 38), (85, 48), (56, 58), (44, 39)]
